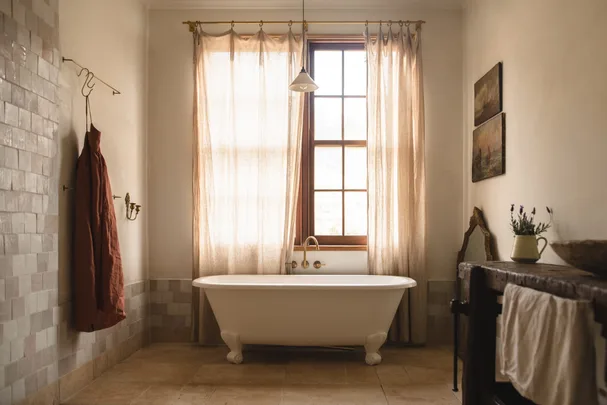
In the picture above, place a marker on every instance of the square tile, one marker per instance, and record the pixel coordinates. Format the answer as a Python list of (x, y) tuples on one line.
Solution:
[(242, 374), (332, 395), (421, 395), (243, 395)]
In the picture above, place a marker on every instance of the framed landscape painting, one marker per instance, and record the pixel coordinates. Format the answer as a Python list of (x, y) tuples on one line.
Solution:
[(489, 149), (488, 95)]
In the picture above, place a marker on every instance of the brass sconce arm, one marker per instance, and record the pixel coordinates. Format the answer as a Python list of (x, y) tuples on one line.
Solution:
[(130, 207)]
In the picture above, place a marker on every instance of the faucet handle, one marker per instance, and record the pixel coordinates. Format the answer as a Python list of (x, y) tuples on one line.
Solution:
[(318, 264), (292, 264)]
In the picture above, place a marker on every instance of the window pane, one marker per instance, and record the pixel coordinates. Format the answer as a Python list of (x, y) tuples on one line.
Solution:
[(327, 118), (327, 213), (356, 212), (355, 81), (327, 168), (356, 168), (355, 119), (327, 72)]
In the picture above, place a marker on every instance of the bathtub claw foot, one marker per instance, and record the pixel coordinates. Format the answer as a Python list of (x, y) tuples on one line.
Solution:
[(233, 342), (372, 359), (234, 357), (372, 345)]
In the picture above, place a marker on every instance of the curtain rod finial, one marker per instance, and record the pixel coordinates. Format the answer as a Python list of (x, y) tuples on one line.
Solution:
[(192, 25)]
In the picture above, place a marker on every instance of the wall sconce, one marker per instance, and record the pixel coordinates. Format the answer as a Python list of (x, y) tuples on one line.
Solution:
[(130, 207)]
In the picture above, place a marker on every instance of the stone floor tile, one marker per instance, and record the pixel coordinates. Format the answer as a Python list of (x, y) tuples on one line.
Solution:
[(420, 395), (159, 394), (246, 395), (246, 374), (316, 373), (180, 374), (333, 395), (109, 393)]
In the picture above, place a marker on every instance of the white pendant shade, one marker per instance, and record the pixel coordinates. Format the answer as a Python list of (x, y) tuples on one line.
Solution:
[(303, 83)]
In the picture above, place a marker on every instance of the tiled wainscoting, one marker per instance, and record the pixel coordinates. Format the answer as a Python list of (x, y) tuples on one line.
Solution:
[(85, 356), (29, 118), (171, 310), (56, 362), (440, 321)]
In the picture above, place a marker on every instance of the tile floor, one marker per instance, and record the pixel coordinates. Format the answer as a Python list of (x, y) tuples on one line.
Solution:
[(178, 374)]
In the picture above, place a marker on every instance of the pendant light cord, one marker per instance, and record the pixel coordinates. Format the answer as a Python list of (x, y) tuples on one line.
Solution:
[(303, 34)]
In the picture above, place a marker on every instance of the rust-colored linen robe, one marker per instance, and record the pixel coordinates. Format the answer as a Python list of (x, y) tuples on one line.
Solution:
[(98, 283)]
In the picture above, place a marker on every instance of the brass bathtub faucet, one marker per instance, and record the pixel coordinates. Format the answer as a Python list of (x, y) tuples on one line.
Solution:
[(305, 264)]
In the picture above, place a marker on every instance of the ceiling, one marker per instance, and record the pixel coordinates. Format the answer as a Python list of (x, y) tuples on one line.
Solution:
[(310, 4)]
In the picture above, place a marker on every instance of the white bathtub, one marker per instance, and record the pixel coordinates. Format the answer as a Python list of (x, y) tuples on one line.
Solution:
[(304, 310)]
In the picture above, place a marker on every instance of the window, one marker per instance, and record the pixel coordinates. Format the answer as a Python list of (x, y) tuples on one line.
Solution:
[(334, 175)]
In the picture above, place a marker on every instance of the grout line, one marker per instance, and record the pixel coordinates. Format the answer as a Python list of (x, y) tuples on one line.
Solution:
[(140, 395), (381, 384)]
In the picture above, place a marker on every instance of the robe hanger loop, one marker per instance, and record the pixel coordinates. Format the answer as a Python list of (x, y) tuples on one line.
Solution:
[(88, 85)]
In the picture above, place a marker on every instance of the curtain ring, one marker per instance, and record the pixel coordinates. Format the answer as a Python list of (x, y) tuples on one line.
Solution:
[(366, 23), (232, 24), (290, 23), (401, 23), (260, 23), (389, 23), (407, 23)]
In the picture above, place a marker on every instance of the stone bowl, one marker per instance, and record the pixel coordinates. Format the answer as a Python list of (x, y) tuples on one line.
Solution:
[(588, 255)]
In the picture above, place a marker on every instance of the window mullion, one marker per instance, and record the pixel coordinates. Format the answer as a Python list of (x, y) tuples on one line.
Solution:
[(343, 147)]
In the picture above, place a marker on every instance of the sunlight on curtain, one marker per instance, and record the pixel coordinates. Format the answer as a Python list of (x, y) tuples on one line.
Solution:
[(247, 155), (248, 151), (397, 195)]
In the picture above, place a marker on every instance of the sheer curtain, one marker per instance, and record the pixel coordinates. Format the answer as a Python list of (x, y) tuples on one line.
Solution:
[(247, 151), (397, 197)]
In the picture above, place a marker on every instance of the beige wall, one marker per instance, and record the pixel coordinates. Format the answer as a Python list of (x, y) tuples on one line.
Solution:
[(113, 45), (171, 87), (110, 38), (555, 99)]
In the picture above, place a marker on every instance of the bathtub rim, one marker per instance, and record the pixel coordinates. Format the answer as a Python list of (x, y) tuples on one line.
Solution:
[(397, 282)]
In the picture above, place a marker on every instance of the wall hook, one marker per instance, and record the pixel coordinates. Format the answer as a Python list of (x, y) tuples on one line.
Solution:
[(89, 78), (130, 207)]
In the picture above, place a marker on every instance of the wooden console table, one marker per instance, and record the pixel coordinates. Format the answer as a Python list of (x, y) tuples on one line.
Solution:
[(483, 283)]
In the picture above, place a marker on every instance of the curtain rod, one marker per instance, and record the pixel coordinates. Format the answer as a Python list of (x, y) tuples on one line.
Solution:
[(194, 24)]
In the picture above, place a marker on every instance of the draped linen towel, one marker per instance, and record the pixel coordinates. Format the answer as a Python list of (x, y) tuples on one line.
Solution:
[(548, 347), (396, 156), (96, 262), (247, 158)]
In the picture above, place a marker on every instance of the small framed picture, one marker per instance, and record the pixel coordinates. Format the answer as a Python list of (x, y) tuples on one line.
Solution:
[(488, 95), (489, 149)]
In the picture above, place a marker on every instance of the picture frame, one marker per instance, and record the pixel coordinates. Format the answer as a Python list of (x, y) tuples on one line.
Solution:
[(488, 95), (489, 149)]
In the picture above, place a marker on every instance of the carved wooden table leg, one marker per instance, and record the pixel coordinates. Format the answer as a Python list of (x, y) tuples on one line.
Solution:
[(479, 367)]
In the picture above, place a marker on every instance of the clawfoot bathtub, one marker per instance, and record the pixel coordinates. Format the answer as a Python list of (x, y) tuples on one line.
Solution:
[(304, 310)]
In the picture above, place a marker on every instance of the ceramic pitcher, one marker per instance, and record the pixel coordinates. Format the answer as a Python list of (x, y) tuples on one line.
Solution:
[(525, 248)]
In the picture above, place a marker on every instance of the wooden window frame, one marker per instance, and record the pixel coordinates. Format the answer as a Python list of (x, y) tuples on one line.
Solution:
[(305, 216)]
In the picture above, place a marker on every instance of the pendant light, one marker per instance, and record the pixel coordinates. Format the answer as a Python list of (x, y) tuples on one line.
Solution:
[(303, 83)]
